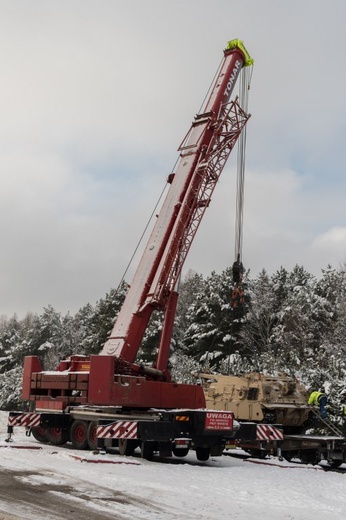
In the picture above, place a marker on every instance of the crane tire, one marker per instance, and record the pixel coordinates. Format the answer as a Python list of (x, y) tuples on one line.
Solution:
[(92, 439), (57, 436), (147, 450), (79, 434), (202, 453), (39, 433), (127, 447)]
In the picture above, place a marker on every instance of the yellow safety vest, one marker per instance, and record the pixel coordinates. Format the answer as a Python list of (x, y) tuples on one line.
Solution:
[(313, 398)]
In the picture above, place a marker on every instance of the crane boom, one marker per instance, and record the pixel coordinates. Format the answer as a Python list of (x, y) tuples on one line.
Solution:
[(203, 154)]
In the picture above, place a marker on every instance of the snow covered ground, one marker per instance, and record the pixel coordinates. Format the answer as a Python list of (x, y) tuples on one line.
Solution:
[(43, 481)]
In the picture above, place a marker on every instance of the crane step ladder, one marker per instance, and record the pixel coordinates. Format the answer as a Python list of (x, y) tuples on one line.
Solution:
[(334, 429)]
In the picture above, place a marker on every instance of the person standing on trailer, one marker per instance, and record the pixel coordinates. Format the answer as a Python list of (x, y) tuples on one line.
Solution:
[(319, 399)]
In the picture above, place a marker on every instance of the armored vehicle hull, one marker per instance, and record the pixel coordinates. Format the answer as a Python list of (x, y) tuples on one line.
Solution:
[(259, 398)]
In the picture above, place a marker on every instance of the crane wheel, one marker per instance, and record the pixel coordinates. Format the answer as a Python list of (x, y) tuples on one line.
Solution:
[(202, 453), (57, 436), (39, 433), (92, 439), (147, 450), (127, 447), (79, 435), (180, 452)]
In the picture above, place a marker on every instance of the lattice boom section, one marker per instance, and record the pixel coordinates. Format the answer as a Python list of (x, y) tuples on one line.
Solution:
[(231, 121), (266, 432), (118, 430), (29, 420)]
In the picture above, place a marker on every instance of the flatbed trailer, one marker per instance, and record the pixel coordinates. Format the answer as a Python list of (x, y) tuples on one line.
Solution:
[(312, 449), (309, 449)]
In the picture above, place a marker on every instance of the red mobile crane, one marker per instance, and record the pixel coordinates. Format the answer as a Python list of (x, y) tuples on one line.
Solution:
[(109, 395)]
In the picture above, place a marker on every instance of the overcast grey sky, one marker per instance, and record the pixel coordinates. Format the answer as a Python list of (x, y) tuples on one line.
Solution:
[(95, 98)]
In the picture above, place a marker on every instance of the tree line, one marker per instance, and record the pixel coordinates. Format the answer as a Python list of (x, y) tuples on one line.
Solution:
[(290, 321)]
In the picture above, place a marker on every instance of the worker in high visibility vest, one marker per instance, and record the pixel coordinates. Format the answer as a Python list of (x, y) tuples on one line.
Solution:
[(343, 413), (319, 399)]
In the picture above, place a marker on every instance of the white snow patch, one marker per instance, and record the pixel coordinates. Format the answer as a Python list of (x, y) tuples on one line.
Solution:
[(223, 487)]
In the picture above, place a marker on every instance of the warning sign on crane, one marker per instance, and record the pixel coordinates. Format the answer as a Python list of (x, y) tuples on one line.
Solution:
[(218, 421)]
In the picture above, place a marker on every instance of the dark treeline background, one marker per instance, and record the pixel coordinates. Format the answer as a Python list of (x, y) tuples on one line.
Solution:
[(291, 322)]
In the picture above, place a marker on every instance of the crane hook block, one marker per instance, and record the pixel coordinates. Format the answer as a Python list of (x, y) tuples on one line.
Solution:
[(237, 271)]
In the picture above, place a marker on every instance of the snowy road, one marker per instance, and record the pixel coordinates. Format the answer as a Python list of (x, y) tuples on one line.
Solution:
[(41, 496), (49, 495), (42, 481)]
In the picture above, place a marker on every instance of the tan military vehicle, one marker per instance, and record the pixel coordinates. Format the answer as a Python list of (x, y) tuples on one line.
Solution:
[(258, 397)]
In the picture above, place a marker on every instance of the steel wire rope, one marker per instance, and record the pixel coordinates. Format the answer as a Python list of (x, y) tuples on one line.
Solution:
[(210, 86), (245, 82), (161, 195), (244, 87), (144, 231)]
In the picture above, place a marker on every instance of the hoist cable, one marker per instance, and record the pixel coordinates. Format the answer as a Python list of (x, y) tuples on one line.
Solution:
[(238, 297), (151, 216), (141, 237), (210, 87), (145, 228), (244, 87)]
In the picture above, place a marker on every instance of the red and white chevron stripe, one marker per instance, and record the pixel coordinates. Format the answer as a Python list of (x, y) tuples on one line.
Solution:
[(266, 432), (118, 430), (25, 419)]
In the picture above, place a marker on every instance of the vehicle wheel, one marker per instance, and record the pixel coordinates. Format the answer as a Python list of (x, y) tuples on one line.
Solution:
[(217, 450), (287, 456), (57, 436), (39, 433), (310, 457), (127, 447), (147, 450), (202, 453), (79, 435), (180, 452), (165, 449), (92, 439), (335, 463), (258, 454)]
